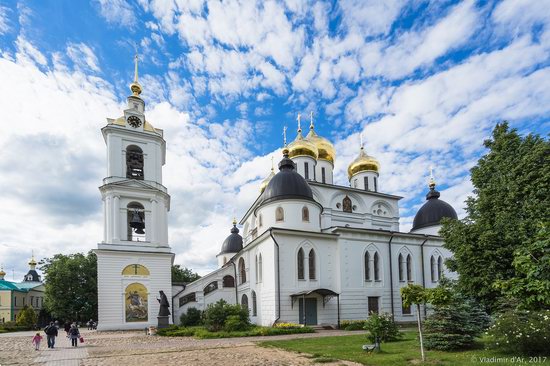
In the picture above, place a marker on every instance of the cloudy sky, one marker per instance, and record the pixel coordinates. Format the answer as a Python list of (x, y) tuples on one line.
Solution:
[(424, 81)]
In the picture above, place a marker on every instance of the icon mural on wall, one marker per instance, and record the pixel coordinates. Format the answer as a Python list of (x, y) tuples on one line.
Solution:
[(136, 303)]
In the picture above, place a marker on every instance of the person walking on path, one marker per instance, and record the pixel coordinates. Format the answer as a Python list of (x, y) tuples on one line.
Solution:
[(51, 333), (74, 334), (36, 341), (67, 327)]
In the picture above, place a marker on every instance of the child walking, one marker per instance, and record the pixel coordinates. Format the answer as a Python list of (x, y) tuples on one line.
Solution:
[(36, 341)]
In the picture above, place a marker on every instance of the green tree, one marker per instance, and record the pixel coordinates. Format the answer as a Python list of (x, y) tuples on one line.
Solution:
[(512, 199), (531, 284), (27, 317), (71, 286), (183, 274)]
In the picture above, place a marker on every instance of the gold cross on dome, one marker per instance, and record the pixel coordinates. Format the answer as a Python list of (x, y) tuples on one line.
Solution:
[(299, 119)]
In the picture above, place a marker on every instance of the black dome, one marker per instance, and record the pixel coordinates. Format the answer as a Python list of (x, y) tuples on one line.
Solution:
[(433, 211), (32, 276), (287, 184), (233, 243)]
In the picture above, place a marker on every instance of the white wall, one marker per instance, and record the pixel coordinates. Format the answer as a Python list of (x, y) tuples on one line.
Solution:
[(112, 285)]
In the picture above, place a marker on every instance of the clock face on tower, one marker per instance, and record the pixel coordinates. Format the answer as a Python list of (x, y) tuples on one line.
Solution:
[(134, 121)]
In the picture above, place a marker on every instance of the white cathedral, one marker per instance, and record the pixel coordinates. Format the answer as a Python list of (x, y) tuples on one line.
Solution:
[(311, 252)]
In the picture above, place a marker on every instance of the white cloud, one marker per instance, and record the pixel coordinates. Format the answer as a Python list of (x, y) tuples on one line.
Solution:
[(4, 20), (82, 56), (118, 12)]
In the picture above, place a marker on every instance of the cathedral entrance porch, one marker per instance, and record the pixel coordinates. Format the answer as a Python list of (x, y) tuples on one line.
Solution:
[(308, 304)]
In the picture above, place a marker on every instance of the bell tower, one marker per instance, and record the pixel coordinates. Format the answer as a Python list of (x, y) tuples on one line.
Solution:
[(133, 259)]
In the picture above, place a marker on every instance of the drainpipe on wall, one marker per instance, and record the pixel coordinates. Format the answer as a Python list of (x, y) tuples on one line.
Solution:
[(236, 290), (278, 279), (391, 279), (423, 276)]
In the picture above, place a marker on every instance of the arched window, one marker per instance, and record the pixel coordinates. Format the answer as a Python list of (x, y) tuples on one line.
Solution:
[(409, 268), (244, 301), (305, 214), (400, 264), (432, 268), (279, 214), (260, 268), (242, 270), (367, 266), (301, 264), (346, 204), (135, 221), (212, 286), (254, 305), (228, 281), (134, 162), (311, 260), (439, 268), (376, 266)]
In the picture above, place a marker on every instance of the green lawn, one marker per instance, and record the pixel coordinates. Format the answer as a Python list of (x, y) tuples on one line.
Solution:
[(404, 352)]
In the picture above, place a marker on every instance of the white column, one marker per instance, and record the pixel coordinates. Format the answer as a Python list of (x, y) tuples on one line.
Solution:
[(154, 221), (116, 218), (109, 219), (104, 221)]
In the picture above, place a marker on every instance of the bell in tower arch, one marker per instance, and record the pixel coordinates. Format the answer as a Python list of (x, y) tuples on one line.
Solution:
[(137, 223)]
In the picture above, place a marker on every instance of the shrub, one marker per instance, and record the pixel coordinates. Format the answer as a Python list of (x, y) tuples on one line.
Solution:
[(352, 324), (288, 325), (192, 317), (13, 327), (216, 315), (234, 323), (27, 317), (381, 326), (521, 332)]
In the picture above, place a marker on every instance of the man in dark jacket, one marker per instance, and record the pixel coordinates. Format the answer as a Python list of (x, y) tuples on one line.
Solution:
[(51, 333)]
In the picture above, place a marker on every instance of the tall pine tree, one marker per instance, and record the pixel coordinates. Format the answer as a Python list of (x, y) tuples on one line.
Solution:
[(511, 202)]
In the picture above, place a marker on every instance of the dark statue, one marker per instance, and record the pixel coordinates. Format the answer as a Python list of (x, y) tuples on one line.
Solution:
[(164, 304)]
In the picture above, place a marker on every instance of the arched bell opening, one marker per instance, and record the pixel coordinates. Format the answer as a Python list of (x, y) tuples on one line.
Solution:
[(135, 221)]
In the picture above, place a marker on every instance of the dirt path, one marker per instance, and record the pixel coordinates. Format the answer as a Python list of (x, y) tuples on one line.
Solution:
[(135, 348)]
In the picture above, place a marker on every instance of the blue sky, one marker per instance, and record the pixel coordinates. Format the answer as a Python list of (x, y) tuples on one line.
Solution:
[(423, 81)]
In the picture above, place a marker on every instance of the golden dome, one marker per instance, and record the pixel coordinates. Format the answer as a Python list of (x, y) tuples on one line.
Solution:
[(324, 147), (266, 181), (302, 147), (363, 163), (135, 87), (32, 261), (2, 273)]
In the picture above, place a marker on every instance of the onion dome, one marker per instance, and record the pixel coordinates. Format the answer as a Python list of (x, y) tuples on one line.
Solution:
[(287, 183), (265, 182), (363, 163), (2, 273), (324, 147), (431, 213), (234, 242), (302, 147)]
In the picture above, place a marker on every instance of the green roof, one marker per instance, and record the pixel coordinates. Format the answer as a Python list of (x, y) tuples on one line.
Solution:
[(7, 285)]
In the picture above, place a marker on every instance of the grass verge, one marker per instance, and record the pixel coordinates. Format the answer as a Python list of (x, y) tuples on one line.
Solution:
[(403, 352)]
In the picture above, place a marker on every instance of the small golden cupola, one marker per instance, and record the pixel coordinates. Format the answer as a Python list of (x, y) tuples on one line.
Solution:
[(363, 171), (325, 148), (266, 181), (301, 146), (2, 273)]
